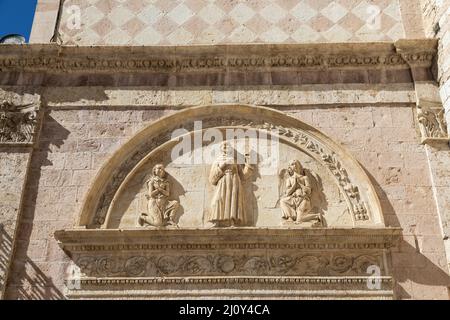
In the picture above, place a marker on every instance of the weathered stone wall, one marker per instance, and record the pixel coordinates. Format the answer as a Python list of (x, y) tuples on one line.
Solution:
[(436, 17), (13, 171), (76, 141), (145, 22)]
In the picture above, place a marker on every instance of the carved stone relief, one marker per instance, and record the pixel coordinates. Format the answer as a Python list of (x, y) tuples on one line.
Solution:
[(221, 213), (161, 211), (17, 123), (183, 261), (201, 204), (347, 176), (227, 205), (295, 196), (432, 124)]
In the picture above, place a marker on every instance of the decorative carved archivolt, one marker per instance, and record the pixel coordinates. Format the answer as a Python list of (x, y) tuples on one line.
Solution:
[(18, 123), (303, 139)]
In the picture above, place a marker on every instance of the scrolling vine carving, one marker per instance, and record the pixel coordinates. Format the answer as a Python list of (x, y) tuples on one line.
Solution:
[(232, 265)]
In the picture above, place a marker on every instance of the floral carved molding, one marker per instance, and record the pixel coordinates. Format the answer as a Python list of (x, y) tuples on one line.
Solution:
[(18, 123), (288, 264)]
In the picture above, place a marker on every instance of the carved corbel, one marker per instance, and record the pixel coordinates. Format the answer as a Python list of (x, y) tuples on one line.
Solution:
[(432, 124), (18, 123), (419, 55)]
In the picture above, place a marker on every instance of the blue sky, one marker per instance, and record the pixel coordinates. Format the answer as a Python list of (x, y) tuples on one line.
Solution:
[(16, 16)]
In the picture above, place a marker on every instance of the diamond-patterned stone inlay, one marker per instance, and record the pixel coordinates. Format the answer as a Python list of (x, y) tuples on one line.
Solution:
[(120, 16), (181, 14), (150, 14), (242, 13), (211, 14), (274, 35), (183, 22), (273, 13), (364, 10), (303, 12), (334, 11)]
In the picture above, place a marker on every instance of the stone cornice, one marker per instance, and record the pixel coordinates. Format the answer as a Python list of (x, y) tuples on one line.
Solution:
[(417, 53), (87, 240), (277, 287), (60, 59), (237, 280)]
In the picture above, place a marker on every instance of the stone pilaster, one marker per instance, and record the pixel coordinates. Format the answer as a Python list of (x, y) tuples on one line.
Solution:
[(19, 127), (432, 124), (437, 24), (45, 19)]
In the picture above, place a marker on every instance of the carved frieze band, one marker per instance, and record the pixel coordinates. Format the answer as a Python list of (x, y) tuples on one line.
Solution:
[(432, 123), (288, 264), (357, 207), (161, 64), (18, 123), (245, 57), (160, 260)]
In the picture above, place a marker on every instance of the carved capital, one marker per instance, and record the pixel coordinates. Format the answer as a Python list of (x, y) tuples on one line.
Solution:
[(432, 124), (18, 123), (417, 53)]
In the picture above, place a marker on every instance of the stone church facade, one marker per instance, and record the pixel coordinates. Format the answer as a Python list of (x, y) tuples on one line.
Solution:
[(128, 159)]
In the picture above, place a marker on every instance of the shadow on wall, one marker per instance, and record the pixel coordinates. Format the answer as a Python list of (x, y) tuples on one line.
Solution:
[(415, 266), (41, 286), (26, 280), (5, 253)]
